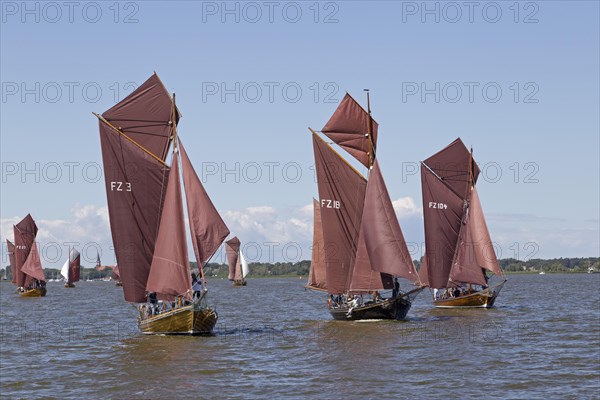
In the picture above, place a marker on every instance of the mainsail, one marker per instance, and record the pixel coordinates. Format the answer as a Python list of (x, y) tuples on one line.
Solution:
[(245, 267), (353, 129), (33, 265), (317, 274), (25, 232), (342, 194), (11, 258), (232, 250), (135, 136), (70, 269), (206, 225), (170, 269)]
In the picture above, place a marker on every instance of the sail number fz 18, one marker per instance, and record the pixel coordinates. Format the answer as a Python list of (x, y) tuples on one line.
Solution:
[(325, 203)]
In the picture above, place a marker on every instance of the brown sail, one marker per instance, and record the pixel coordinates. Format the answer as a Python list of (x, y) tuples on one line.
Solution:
[(342, 195), (115, 275), (349, 126), (383, 237), (364, 278), (135, 183), (33, 264), (317, 278), (170, 269), (423, 274), (442, 211), (465, 268), (11, 258), (206, 225), (145, 116), (452, 165), (74, 266), (232, 250), (484, 248), (25, 232)]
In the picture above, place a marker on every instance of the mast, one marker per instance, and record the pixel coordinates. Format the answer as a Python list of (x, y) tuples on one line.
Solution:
[(370, 131)]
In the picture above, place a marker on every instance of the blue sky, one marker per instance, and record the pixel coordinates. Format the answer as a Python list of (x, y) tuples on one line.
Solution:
[(540, 132)]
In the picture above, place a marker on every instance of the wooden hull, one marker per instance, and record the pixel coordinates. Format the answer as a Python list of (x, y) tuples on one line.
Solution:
[(239, 283), (482, 299), (119, 284), (39, 292), (182, 321), (395, 309), (69, 285)]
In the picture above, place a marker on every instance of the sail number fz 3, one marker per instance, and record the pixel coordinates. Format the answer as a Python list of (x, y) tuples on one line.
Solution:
[(120, 186)]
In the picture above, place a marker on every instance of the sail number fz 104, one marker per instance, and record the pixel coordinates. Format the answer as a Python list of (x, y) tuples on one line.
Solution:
[(120, 186), (440, 206), (325, 203)]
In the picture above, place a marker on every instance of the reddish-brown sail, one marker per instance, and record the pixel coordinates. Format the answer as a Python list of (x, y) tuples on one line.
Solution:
[(115, 275), (232, 250), (484, 248), (206, 225), (443, 212), (383, 237), (317, 276), (452, 165), (465, 268), (24, 232), (135, 184), (342, 195), (364, 278), (33, 265), (349, 126), (146, 117), (170, 269), (423, 274), (74, 266), (11, 258)]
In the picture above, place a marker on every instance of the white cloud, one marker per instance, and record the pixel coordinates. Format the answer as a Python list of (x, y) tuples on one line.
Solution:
[(406, 207)]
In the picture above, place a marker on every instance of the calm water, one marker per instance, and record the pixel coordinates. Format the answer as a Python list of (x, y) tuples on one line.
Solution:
[(275, 339)]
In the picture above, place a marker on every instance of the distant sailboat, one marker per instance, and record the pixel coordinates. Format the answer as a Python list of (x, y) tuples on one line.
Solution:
[(116, 276), (11, 257), (30, 279), (146, 212), (458, 248), (238, 266), (71, 269), (358, 246)]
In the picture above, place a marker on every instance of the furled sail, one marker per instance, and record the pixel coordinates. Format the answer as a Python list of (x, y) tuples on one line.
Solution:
[(33, 265), (135, 184), (245, 267), (11, 258), (442, 211), (170, 269), (317, 274), (70, 269), (25, 232), (349, 127), (232, 250), (146, 116), (206, 225), (342, 195), (384, 241)]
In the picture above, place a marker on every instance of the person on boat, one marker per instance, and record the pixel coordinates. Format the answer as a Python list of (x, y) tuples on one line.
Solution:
[(456, 292), (153, 302), (196, 287), (396, 290), (376, 296)]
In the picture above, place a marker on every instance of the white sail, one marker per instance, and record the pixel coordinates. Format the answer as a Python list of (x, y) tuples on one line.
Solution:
[(64, 271), (245, 268)]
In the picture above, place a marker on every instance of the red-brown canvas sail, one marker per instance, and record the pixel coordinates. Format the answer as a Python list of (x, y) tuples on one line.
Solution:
[(74, 265), (348, 127), (452, 165), (442, 212), (206, 225), (364, 278), (146, 117), (135, 184), (232, 250), (342, 195), (484, 248), (317, 277), (25, 232), (465, 268), (423, 274), (33, 265), (170, 269), (115, 273), (383, 237), (11, 258)]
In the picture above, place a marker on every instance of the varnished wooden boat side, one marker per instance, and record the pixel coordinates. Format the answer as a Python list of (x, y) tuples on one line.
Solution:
[(183, 321), (395, 309), (482, 299), (39, 292)]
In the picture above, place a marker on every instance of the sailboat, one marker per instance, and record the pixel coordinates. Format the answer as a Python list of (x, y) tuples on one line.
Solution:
[(458, 247), (71, 269), (116, 276), (146, 215), (30, 279), (358, 246), (10, 247), (238, 266)]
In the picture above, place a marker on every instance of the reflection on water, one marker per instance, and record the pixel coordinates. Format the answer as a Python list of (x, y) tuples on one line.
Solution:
[(276, 339)]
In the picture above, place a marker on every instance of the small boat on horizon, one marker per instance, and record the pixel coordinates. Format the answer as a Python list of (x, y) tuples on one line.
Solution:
[(28, 273), (238, 266), (71, 269)]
